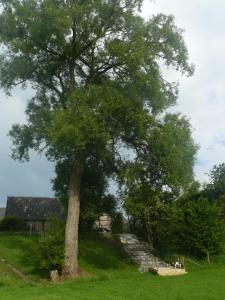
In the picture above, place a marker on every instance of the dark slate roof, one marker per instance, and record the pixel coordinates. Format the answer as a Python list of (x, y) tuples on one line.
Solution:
[(33, 208), (2, 212)]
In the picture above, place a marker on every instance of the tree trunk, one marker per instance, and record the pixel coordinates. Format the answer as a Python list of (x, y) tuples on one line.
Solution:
[(70, 269)]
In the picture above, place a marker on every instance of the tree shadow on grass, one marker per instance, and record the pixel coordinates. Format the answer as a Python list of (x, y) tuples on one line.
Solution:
[(103, 254)]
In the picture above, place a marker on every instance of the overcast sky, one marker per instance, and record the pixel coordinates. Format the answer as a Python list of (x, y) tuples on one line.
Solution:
[(202, 99)]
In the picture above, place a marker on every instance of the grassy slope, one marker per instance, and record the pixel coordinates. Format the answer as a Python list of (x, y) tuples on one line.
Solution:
[(113, 277), (7, 278), (16, 250)]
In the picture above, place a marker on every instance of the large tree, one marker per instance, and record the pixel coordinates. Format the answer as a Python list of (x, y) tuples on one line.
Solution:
[(95, 67)]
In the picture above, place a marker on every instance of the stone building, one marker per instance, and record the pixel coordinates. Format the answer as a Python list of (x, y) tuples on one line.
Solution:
[(104, 223), (35, 211)]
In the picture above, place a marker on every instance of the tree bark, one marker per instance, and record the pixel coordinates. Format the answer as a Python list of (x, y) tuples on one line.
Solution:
[(70, 269)]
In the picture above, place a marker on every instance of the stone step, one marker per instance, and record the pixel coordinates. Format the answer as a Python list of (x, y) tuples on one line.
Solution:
[(136, 249), (147, 256), (142, 256), (140, 247), (144, 253), (136, 245), (170, 271)]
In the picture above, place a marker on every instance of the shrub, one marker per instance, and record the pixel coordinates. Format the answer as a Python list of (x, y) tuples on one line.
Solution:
[(199, 227), (191, 226), (12, 224), (50, 250)]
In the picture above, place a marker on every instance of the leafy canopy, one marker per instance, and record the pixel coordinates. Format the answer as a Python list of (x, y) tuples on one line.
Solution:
[(95, 68)]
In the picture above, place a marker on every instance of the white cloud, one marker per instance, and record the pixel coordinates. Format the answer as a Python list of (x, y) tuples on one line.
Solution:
[(202, 97)]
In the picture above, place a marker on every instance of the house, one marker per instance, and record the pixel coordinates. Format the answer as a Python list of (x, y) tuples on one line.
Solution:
[(2, 213), (104, 223), (35, 211)]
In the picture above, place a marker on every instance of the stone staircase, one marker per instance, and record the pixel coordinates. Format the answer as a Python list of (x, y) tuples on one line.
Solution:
[(145, 260)]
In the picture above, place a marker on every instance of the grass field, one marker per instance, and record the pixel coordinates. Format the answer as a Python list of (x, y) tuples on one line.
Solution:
[(110, 275)]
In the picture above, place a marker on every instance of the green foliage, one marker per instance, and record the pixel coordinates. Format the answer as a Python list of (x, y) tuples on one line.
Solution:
[(117, 223), (157, 176), (191, 225), (216, 188), (12, 224), (194, 224), (95, 68), (165, 161), (49, 252), (96, 78), (197, 227)]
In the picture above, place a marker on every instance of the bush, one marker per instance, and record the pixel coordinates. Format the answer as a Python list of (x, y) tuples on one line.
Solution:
[(198, 227), (12, 224), (50, 250)]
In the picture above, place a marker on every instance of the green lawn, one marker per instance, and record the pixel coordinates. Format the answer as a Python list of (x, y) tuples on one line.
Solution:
[(109, 276)]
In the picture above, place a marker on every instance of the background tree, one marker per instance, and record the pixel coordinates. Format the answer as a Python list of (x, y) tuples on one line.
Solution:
[(199, 227), (158, 175), (216, 187), (95, 68), (194, 223)]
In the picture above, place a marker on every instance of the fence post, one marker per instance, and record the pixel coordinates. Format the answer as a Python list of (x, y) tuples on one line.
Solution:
[(31, 229), (208, 257)]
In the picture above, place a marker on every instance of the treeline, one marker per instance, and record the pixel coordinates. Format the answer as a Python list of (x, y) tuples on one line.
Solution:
[(191, 224)]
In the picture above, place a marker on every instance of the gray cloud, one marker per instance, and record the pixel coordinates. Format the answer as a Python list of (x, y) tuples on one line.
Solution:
[(20, 179)]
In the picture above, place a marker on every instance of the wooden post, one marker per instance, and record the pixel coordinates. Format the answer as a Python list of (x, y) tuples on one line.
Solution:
[(31, 228), (54, 275), (42, 225), (183, 263), (208, 257)]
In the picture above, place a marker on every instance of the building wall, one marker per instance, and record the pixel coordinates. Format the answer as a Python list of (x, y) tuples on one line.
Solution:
[(104, 222), (38, 226)]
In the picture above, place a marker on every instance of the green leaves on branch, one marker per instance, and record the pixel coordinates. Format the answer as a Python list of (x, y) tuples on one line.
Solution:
[(165, 159)]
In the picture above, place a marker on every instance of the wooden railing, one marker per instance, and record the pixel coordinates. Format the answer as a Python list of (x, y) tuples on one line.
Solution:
[(178, 263)]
